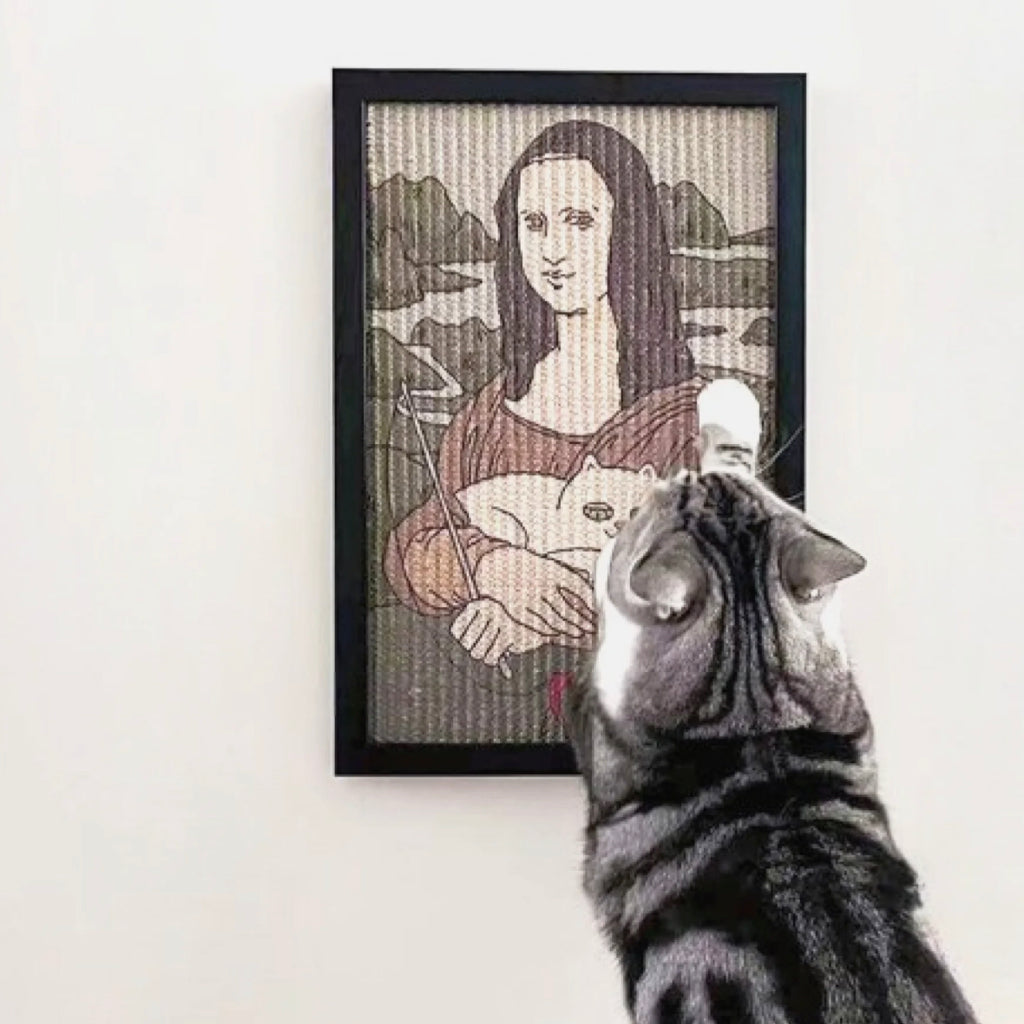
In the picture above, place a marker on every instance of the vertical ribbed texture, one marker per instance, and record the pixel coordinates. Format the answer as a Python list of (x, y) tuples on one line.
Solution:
[(435, 174)]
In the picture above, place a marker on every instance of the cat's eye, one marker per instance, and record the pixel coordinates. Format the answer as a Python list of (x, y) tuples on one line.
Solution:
[(598, 511), (808, 595)]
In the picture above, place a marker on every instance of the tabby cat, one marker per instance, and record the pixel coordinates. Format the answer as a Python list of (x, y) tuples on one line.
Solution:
[(737, 854)]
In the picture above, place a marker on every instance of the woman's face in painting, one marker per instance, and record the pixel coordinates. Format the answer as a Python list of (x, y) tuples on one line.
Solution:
[(565, 229)]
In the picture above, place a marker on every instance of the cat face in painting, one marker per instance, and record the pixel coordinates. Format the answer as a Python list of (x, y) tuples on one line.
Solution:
[(565, 229), (718, 610), (601, 499)]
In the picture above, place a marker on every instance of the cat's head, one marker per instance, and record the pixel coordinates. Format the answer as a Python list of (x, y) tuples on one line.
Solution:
[(604, 497), (718, 605)]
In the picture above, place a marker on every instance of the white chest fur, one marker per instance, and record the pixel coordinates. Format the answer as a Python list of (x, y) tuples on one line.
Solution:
[(617, 643)]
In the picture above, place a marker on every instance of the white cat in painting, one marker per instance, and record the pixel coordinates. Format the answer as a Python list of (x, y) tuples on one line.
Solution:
[(568, 520)]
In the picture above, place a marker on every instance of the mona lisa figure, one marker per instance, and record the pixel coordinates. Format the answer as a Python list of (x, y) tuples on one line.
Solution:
[(595, 373)]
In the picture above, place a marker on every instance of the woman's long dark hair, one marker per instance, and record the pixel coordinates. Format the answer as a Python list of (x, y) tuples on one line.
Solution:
[(652, 352)]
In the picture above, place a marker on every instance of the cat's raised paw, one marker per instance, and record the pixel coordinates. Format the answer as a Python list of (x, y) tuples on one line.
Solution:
[(730, 427), (731, 405)]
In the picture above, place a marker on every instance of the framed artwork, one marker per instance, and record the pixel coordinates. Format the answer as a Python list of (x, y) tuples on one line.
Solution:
[(535, 275)]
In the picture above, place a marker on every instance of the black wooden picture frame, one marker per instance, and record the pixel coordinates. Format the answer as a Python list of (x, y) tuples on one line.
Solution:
[(353, 91)]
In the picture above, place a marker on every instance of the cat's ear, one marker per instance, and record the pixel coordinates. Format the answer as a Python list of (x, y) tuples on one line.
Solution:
[(667, 580), (648, 473), (814, 560), (590, 463)]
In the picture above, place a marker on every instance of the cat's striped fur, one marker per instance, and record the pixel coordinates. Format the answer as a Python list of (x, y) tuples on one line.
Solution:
[(737, 854)]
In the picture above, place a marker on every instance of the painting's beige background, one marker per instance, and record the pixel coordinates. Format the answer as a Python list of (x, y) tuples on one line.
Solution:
[(174, 849), (729, 155), (728, 152)]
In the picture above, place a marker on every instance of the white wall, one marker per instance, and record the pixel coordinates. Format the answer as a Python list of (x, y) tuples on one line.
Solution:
[(173, 846)]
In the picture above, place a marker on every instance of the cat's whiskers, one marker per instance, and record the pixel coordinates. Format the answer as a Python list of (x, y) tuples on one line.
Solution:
[(778, 452)]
